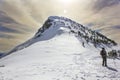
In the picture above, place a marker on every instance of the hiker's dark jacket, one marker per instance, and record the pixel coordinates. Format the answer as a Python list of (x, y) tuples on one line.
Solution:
[(103, 53)]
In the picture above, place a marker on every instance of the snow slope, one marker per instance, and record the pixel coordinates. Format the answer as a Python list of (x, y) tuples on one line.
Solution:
[(61, 57), (52, 26)]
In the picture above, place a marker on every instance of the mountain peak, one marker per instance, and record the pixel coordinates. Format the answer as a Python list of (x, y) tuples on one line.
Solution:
[(56, 17), (78, 29), (55, 25), (60, 18)]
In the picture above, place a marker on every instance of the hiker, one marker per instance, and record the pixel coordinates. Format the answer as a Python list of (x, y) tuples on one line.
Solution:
[(103, 54)]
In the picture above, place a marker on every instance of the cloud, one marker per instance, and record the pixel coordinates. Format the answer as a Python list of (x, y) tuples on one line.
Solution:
[(8, 30), (100, 4), (106, 17), (116, 27), (4, 18), (6, 36), (18, 12), (9, 25)]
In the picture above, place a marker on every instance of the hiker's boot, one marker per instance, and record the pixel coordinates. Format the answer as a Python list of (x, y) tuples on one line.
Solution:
[(105, 65)]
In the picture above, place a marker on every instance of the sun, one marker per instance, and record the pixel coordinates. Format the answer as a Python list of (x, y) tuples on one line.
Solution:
[(65, 11)]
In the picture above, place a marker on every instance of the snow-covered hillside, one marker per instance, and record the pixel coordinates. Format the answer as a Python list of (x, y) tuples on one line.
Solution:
[(51, 28), (60, 58), (57, 54)]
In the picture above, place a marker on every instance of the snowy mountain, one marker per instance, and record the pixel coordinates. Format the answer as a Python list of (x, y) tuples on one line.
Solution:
[(53, 26), (58, 54)]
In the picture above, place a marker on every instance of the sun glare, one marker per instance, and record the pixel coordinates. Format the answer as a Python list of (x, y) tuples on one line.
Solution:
[(65, 11)]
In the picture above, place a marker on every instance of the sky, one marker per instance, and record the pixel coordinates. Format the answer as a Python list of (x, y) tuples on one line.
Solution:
[(20, 19)]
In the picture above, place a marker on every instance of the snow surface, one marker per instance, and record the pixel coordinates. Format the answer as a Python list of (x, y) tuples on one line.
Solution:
[(58, 55), (60, 58)]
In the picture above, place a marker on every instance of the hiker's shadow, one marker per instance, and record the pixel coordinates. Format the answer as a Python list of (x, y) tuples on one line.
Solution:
[(113, 69)]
